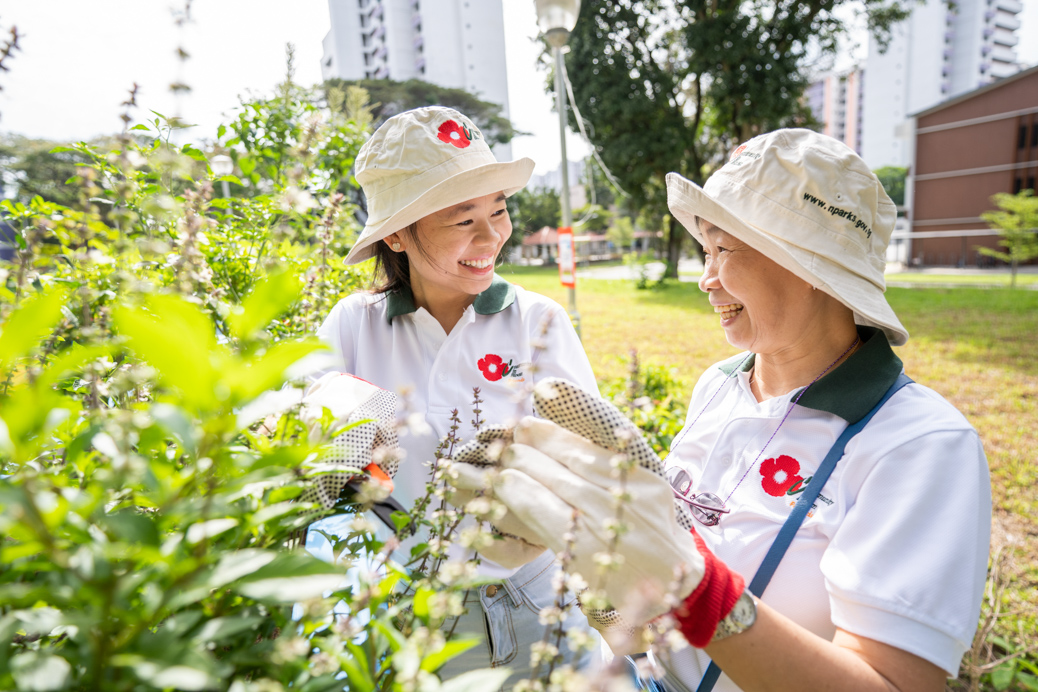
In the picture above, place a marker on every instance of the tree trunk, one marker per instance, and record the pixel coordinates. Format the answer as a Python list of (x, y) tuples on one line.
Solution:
[(674, 234)]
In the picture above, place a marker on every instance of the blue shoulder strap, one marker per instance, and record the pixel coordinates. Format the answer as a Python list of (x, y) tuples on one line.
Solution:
[(796, 517)]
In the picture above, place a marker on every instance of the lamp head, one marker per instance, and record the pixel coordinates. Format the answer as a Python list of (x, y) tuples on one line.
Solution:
[(556, 18), (222, 165)]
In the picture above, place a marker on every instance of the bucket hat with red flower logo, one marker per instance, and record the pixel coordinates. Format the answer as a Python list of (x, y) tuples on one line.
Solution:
[(422, 161), (809, 203)]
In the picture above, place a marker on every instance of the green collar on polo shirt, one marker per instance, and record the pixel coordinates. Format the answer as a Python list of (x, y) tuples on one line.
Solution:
[(851, 390), (499, 296)]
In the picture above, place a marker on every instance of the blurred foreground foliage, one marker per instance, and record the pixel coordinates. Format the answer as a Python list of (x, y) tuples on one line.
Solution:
[(146, 492)]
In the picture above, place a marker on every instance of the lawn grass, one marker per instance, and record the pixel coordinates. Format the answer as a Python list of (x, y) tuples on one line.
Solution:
[(990, 279), (974, 346)]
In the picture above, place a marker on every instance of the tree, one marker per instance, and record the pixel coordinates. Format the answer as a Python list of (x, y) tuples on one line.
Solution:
[(671, 85), (621, 233), (893, 180), (389, 97), (1017, 225), (596, 218), (532, 209), (32, 167)]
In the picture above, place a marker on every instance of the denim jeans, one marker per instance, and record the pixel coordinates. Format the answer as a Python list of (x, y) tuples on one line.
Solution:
[(504, 617)]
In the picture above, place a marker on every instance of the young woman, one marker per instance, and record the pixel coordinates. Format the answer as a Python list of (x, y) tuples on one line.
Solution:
[(440, 323)]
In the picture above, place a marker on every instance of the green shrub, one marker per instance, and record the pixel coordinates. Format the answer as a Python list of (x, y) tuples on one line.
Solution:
[(145, 504)]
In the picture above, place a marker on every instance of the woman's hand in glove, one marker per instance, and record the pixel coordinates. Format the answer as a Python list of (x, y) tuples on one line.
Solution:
[(550, 472), (369, 445), (471, 469)]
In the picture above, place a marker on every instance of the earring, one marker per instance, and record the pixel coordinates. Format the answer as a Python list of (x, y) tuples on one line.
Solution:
[(396, 247)]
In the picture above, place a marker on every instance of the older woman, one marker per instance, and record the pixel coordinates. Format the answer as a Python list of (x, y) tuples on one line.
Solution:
[(881, 584)]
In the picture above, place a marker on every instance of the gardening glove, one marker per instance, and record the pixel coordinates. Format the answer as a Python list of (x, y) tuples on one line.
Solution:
[(551, 471), (370, 445), (508, 549)]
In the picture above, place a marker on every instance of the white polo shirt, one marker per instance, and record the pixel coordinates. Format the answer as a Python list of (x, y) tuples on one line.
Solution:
[(384, 339), (896, 546)]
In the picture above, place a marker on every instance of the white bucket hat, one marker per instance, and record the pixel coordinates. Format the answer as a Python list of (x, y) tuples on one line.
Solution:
[(422, 161), (809, 203)]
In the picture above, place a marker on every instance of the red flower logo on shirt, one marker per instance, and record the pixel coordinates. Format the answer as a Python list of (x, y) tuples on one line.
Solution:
[(452, 133), (492, 367), (779, 475)]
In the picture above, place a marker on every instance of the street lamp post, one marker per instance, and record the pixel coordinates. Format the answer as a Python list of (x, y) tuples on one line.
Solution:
[(222, 165), (556, 18)]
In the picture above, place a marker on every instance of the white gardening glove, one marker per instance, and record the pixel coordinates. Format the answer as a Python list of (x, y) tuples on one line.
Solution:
[(370, 447), (550, 472), (470, 481)]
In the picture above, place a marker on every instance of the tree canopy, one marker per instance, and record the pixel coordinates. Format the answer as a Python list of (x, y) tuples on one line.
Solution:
[(389, 97), (893, 181), (671, 85)]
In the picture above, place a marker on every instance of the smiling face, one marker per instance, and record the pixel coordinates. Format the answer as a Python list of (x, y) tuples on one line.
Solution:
[(764, 308), (459, 246)]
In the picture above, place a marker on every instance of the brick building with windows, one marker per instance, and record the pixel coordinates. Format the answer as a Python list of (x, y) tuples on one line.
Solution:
[(966, 150)]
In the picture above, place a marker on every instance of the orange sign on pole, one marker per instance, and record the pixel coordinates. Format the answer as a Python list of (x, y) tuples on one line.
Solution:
[(567, 258)]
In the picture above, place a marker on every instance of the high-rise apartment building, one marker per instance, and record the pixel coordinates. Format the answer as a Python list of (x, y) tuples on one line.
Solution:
[(943, 50), (453, 43), (835, 100)]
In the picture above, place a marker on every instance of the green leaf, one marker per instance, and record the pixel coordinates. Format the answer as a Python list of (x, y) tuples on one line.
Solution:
[(140, 127), (29, 325), (400, 519), (234, 566), (483, 680), (177, 423), (248, 380), (193, 152), (37, 672), (133, 528), (219, 629), (272, 512), (1002, 676), (420, 603), (179, 341), (290, 578), (269, 298), (1028, 681), (202, 530), (451, 649), (355, 664), (70, 362)]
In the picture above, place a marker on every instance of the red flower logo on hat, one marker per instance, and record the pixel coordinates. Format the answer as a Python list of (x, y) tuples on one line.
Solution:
[(452, 133), (493, 367), (779, 475), (738, 151)]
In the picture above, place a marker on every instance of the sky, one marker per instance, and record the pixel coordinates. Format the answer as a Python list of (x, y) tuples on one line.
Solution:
[(79, 59)]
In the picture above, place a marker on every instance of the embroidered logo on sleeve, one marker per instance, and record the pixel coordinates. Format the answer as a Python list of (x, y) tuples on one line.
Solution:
[(494, 367)]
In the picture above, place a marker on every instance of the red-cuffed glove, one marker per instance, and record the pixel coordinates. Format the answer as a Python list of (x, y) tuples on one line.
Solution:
[(711, 601)]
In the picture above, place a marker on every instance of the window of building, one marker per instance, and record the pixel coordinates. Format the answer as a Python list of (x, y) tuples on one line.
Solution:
[(1021, 140), (1034, 135)]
